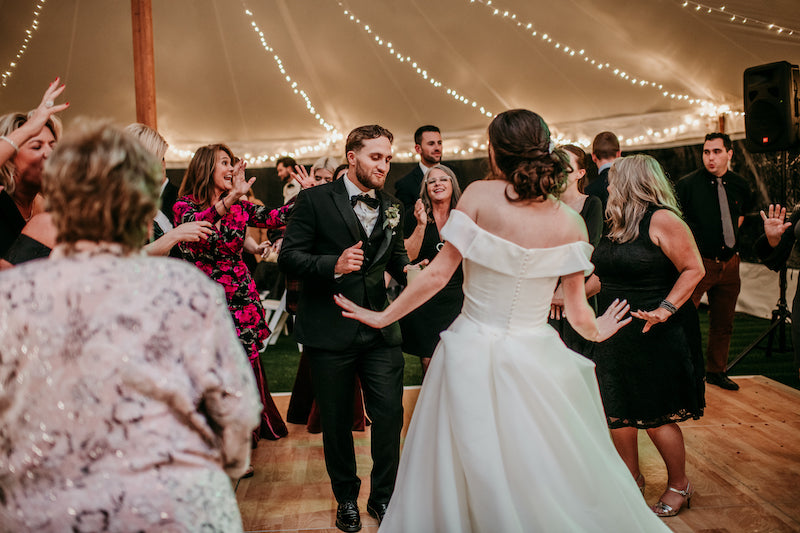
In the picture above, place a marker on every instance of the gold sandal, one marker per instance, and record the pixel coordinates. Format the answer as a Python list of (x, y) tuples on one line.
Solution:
[(662, 509)]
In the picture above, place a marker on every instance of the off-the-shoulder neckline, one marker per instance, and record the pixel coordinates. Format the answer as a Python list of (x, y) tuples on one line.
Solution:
[(515, 245)]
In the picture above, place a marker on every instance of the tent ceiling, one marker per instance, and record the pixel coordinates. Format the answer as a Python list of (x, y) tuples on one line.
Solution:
[(215, 82)]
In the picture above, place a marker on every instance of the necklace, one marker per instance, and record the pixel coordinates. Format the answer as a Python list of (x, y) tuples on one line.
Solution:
[(21, 209)]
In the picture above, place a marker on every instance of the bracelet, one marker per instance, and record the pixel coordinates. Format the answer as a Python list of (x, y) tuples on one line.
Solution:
[(669, 306), (9, 141)]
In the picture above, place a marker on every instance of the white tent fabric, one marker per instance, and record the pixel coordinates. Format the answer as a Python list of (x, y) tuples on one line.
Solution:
[(217, 81)]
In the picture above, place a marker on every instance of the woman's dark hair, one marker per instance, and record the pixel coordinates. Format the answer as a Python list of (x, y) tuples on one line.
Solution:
[(521, 154), (580, 158), (198, 180)]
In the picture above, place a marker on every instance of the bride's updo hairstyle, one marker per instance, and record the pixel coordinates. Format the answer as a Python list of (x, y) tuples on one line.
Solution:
[(521, 153)]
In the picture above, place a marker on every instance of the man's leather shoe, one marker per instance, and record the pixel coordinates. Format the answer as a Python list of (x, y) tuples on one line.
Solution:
[(377, 510), (347, 517), (720, 379)]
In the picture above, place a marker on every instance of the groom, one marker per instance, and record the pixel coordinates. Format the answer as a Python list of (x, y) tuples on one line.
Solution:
[(341, 238)]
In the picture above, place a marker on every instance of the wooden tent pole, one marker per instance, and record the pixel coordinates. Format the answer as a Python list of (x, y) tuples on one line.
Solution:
[(722, 123), (144, 62)]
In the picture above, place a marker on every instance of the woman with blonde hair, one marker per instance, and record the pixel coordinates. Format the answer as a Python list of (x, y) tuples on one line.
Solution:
[(651, 373), (26, 141), (439, 194), (136, 413)]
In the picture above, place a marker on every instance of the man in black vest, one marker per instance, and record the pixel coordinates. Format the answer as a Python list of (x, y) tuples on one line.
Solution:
[(428, 144), (714, 201), (340, 239)]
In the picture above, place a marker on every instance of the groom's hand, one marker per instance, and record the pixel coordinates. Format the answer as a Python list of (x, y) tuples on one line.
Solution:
[(350, 261)]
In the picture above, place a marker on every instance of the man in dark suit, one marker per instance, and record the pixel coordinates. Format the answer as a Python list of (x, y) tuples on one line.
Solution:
[(605, 149), (428, 144), (340, 239)]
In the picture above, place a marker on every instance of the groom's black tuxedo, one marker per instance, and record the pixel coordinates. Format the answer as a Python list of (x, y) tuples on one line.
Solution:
[(322, 225)]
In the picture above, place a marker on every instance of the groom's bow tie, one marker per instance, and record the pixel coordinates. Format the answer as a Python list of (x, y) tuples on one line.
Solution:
[(372, 203)]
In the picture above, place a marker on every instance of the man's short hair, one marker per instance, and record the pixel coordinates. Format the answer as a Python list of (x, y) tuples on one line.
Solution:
[(423, 129), (356, 138), (286, 161), (605, 145), (725, 139)]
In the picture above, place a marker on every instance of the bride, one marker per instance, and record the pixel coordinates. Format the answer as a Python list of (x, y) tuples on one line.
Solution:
[(509, 432)]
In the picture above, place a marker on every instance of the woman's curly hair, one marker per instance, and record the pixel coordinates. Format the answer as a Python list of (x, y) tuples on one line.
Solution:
[(102, 185), (522, 154)]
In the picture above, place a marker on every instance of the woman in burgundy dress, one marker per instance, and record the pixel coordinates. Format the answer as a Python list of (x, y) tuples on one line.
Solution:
[(211, 190)]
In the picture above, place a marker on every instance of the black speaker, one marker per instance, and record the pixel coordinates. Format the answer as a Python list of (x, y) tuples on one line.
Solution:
[(771, 107)]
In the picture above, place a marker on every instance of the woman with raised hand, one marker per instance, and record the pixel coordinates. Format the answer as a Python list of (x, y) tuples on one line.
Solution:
[(26, 141), (439, 194), (212, 191)]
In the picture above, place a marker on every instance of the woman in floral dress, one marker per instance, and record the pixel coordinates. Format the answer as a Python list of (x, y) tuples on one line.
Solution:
[(211, 190)]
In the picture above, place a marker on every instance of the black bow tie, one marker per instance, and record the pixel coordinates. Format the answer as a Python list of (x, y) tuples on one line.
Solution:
[(372, 203)]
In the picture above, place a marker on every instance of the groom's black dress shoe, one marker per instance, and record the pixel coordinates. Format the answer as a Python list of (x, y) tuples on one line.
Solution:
[(347, 517), (720, 379), (377, 510)]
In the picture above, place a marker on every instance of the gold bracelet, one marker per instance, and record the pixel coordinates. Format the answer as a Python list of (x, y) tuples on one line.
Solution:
[(9, 141)]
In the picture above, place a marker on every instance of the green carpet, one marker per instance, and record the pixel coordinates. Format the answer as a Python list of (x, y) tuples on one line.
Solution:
[(280, 361)]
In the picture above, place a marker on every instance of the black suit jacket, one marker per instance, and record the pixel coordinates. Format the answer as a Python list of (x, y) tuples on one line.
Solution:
[(599, 187), (407, 188), (168, 198), (321, 226)]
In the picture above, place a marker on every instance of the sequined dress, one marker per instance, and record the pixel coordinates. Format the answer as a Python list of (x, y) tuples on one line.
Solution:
[(125, 397)]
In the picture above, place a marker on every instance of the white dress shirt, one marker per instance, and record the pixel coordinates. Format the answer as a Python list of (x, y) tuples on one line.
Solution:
[(365, 214)]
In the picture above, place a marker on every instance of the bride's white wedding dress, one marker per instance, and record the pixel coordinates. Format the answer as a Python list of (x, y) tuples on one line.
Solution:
[(508, 433)]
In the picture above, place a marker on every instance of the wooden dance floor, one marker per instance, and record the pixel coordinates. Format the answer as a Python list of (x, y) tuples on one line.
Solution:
[(743, 458)]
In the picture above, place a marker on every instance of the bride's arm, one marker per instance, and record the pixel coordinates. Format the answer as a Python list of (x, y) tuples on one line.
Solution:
[(430, 281), (581, 316)]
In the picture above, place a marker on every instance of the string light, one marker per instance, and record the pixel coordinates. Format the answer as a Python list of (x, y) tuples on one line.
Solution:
[(584, 55), (332, 133), (728, 16), (12, 66), (414, 65)]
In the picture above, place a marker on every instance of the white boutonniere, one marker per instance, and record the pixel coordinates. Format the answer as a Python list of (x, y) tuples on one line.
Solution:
[(392, 216)]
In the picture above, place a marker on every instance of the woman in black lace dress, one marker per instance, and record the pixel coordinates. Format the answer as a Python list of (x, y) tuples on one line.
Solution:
[(651, 372)]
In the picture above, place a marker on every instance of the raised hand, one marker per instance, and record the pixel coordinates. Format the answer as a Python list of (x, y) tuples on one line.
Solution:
[(612, 320), (774, 225), (371, 318), (47, 107), (420, 214), (239, 183), (301, 176), (351, 260)]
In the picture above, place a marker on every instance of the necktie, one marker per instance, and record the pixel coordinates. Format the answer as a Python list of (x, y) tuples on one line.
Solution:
[(372, 203), (725, 212)]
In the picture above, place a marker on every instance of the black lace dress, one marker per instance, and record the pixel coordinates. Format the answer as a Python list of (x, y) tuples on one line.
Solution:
[(654, 378)]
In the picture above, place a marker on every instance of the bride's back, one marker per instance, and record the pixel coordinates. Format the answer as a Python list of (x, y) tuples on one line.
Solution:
[(529, 224)]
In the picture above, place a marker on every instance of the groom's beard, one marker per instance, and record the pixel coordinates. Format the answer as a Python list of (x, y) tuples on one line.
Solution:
[(368, 179)]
